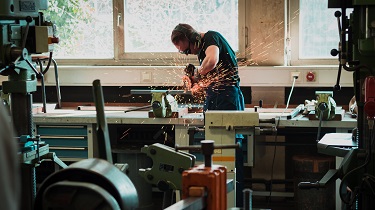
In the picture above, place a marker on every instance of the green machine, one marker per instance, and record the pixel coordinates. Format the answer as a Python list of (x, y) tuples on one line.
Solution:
[(168, 165), (356, 54), (23, 32)]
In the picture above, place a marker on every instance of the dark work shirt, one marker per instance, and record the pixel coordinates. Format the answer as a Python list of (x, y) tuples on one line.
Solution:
[(226, 71)]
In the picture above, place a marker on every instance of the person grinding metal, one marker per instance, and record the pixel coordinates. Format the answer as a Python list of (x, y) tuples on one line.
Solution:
[(217, 76)]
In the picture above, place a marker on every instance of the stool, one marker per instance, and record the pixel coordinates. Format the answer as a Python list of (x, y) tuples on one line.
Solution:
[(311, 169)]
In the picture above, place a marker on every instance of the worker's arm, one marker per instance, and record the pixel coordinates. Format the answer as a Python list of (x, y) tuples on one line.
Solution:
[(210, 61), (353, 108)]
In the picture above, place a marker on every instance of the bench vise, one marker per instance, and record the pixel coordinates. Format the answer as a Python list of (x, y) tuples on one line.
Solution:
[(325, 108)]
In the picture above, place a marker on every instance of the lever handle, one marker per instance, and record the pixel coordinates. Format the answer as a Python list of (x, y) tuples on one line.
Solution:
[(337, 85), (308, 185)]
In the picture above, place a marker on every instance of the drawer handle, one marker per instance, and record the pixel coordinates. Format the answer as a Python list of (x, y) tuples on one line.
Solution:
[(63, 137), (68, 148), (61, 126)]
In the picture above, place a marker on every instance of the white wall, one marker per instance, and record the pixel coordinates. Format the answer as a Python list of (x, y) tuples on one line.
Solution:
[(254, 76)]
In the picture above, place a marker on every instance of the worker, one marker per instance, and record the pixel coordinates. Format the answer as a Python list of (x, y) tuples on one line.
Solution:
[(218, 70), (353, 108), (9, 166), (217, 76)]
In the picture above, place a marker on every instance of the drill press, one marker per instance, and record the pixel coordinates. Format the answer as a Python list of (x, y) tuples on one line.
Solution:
[(24, 32)]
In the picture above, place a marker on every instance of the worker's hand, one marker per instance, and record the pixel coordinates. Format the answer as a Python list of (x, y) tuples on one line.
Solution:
[(190, 70)]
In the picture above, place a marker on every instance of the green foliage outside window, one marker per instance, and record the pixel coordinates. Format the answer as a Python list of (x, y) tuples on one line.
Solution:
[(84, 27)]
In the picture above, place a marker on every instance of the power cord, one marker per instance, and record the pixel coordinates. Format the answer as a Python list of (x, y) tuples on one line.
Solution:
[(277, 125)]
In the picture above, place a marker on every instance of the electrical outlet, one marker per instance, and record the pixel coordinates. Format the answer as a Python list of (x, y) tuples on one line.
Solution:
[(146, 77), (296, 74)]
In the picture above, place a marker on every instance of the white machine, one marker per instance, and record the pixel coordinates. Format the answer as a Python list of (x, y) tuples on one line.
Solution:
[(224, 127)]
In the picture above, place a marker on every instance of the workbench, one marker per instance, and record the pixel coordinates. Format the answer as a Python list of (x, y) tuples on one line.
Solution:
[(62, 120), (59, 127)]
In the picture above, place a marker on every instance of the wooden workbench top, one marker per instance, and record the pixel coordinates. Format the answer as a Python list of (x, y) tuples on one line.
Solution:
[(114, 116)]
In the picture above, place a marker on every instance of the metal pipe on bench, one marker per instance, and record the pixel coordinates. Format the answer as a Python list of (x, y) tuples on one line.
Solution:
[(172, 92), (138, 108)]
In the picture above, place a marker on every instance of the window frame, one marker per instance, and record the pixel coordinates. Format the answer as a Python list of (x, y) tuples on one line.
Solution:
[(293, 40), (148, 59)]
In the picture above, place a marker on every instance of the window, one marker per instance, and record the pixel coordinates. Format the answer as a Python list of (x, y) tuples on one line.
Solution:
[(85, 28), (314, 32), (148, 24), (135, 32)]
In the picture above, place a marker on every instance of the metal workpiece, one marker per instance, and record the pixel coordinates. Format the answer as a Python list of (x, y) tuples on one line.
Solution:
[(168, 165), (172, 92), (191, 203), (138, 108)]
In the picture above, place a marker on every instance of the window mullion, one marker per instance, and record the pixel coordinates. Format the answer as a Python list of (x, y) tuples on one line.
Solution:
[(118, 28)]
